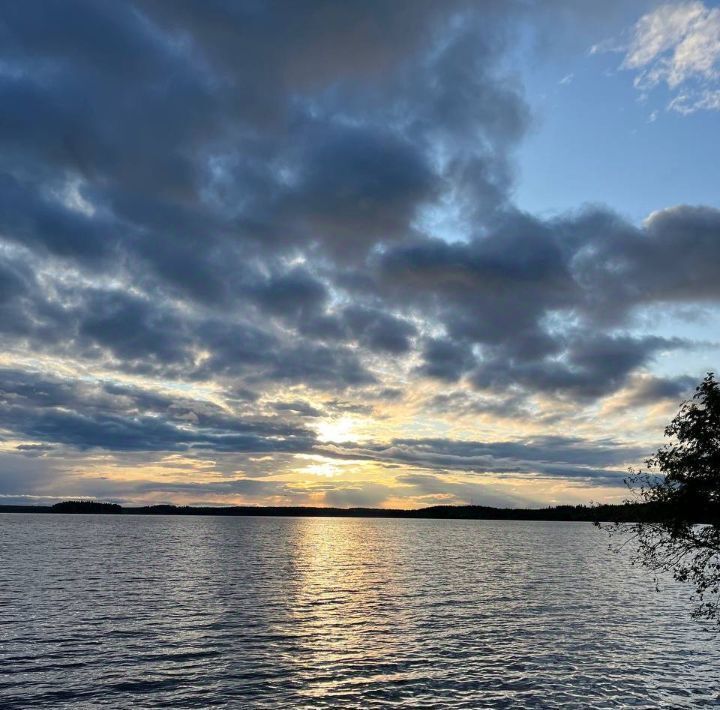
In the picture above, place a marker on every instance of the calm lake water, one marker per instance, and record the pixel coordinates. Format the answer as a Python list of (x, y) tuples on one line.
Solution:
[(180, 612)]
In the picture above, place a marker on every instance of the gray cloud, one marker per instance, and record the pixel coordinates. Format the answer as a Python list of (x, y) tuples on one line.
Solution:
[(243, 194), (360, 495), (593, 366), (507, 292), (461, 402), (446, 359), (594, 462), (437, 490), (119, 418), (651, 390)]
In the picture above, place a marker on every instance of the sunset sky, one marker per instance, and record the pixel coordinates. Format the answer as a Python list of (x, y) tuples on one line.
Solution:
[(381, 253)]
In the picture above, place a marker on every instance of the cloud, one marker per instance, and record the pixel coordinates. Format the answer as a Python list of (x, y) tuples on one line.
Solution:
[(220, 226), (593, 462), (145, 224), (445, 359), (297, 407), (436, 490), (378, 331), (120, 418), (678, 44), (361, 495), (464, 403), (22, 474), (591, 367), (649, 390), (687, 103), (546, 305)]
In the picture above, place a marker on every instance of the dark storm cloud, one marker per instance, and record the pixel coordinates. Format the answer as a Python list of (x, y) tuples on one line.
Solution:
[(194, 146)]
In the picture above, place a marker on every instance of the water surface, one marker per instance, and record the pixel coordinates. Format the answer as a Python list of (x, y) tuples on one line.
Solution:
[(181, 612)]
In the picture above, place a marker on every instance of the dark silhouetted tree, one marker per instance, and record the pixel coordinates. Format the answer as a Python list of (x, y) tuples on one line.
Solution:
[(86, 506), (680, 532)]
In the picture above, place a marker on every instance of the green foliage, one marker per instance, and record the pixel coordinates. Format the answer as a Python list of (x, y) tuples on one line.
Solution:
[(682, 484)]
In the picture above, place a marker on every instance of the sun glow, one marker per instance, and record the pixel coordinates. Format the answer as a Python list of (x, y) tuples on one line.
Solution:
[(328, 467), (337, 430)]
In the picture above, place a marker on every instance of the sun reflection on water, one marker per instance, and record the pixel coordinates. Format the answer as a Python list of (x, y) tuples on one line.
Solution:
[(337, 589)]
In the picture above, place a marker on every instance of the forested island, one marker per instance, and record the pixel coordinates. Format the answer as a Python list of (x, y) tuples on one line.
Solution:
[(625, 512)]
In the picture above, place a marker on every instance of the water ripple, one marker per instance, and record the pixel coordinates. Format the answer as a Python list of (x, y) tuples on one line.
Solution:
[(196, 612)]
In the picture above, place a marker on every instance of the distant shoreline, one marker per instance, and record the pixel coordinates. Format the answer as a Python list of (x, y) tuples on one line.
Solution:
[(627, 512)]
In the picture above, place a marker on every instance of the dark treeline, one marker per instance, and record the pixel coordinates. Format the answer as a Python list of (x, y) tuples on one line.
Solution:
[(626, 512), (86, 506)]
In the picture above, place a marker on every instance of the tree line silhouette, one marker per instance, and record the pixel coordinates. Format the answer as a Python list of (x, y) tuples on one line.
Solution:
[(621, 513)]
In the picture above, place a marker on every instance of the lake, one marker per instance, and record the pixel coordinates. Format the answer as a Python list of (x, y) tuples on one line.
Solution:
[(195, 612)]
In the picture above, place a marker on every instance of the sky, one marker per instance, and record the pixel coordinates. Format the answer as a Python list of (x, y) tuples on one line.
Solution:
[(382, 253)]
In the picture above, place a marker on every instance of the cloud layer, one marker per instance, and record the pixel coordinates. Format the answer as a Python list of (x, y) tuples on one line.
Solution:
[(230, 231)]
